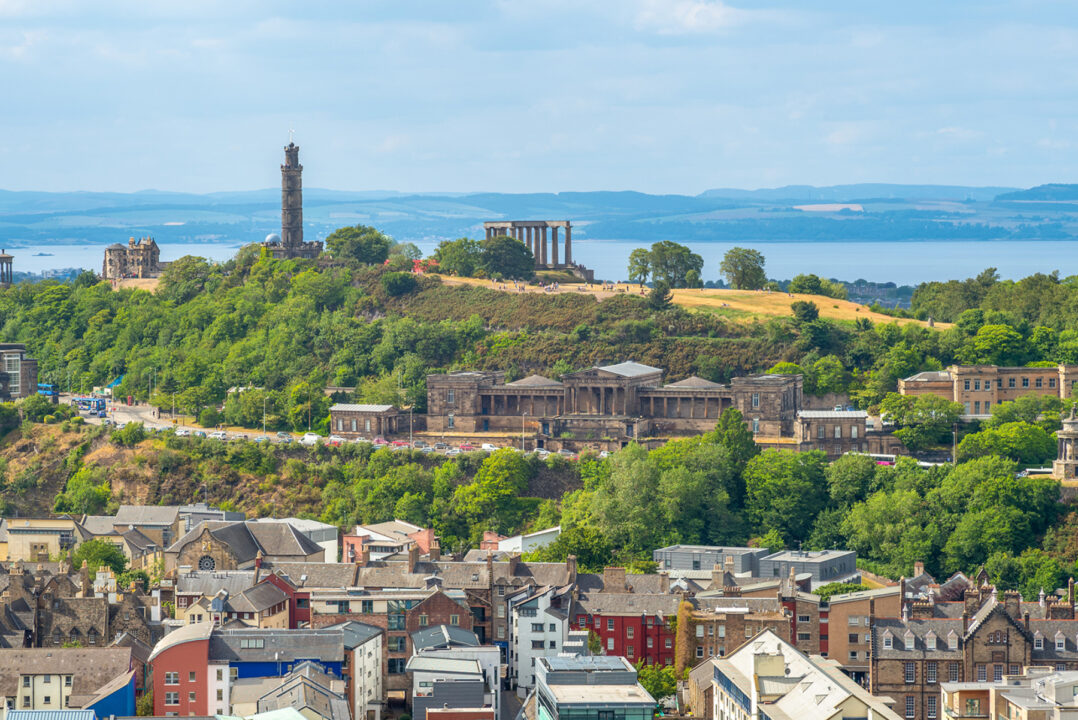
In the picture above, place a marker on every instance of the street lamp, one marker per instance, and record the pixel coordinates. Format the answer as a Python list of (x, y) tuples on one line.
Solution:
[(263, 413), (522, 416)]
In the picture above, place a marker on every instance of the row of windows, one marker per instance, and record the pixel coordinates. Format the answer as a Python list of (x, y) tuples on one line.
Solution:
[(1011, 383), (821, 432), (931, 707), (46, 700), (46, 679), (173, 678)]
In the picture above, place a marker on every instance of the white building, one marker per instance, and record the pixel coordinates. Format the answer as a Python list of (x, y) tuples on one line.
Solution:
[(539, 628), (530, 541)]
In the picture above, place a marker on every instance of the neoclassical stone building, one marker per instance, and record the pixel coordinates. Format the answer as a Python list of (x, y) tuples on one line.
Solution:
[(612, 404), (139, 259)]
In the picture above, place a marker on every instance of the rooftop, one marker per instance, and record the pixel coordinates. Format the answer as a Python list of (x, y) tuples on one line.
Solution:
[(605, 694), (351, 407), (832, 414), (630, 369)]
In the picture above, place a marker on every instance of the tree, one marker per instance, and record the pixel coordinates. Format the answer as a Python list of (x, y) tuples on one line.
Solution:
[(87, 493), (923, 420), (407, 250), (684, 638), (805, 311), (361, 243), (458, 257), (99, 553), (995, 345), (660, 297), (503, 256), (35, 407), (692, 279), (733, 434), (129, 435), (398, 283), (828, 591), (671, 263), (1021, 441), (785, 368), (743, 269), (785, 490), (139, 577), (639, 265), (850, 479), (772, 540), (659, 680)]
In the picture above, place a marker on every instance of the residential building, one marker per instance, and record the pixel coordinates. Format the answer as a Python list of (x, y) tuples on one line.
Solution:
[(849, 619), (722, 624), (382, 540), (745, 560), (588, 688), (36, 539), (161, 523), (978, 388), (139, 259), (18, 372), (540, 627), (768, 677), (1038, 693), (840, 431), (447, 641), (443, 682), (56, 679), (519, 543), (316, 694), (824, 566)]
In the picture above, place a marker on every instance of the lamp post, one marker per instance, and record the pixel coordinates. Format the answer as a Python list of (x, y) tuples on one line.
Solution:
[(522, 416), (263, 413)]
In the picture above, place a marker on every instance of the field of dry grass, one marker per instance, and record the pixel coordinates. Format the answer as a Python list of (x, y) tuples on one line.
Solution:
[(741, 305)]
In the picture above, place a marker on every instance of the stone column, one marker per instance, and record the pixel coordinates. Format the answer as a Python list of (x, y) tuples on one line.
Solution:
[(553, 247), (568, 244), (541, 232)]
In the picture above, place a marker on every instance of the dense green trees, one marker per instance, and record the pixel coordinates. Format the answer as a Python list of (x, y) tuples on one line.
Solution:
[(921, 420), (815, 285), (504, 257), (666, 262), (97, 554), (361, 243), (458, 257), (743, 269), (1023, 442)]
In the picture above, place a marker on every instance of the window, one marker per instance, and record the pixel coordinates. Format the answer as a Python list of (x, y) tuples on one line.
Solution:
[(191, 676), (1013, 669), (930, 642), (931, 710), (1010, 382), (629, 650), (582, 620), (397, 643), (888, 642), (424, 620), (853, 638), (982, 673), (610, 643), (930, 672), (804, 637), (610, 623), (952, 641), (553, 627), (853, 654), (711, 630), (246, 644), (748, 631), (501, 611), (976, 384), (952, 672), (629, 630), (26, 681), (67, 681), (47, 700), (554, 645), (220, 675), (451, 396), (449, 421), (722, 631), (171, 678), (396, 665), (911, 673), (191, 697), (1038, 382), (1051, 382), (538, 644), (669, 643), (537, 627), (46, 679), (976, 407), (91, 637), (699, 651), (1061, 643), (454, 619), (651, 643), (26, 701), (997, 673), (853, 432), (909, 706), (172, 698), (501, 632), (1038, 642), (1025, 382), (699, 631), (973, 706), (366, 425), (966, 385), (803, 619), (755, 425), (821, 431), (395, 622), (755, 400)]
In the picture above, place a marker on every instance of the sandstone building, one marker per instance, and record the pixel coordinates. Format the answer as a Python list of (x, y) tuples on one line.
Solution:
[(981, 387), (18, 373), (139, 259)]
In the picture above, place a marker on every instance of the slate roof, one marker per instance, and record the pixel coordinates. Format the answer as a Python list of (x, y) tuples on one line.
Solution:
[(147, 514), (140, 651), (929, 376), (246, 539), (315, 574), (534, 381), (307, 687), (607, 603), (442, 636), (138, 540), (90, 668), (210, 583), (363, 407), (257, 599), (278, 645), (692, 383), (99, 524), (832, 414), (630, 369)]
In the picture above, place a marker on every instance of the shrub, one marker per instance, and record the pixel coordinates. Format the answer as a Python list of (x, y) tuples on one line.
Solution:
[(398, 283)]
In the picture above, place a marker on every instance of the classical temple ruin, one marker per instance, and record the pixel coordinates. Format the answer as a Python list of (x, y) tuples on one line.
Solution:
[(541, 238)]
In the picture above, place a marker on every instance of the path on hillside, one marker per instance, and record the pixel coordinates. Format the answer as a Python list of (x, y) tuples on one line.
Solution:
[(738, 305)]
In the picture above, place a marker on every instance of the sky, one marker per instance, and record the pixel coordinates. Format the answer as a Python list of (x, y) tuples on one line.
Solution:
[(660, 96)]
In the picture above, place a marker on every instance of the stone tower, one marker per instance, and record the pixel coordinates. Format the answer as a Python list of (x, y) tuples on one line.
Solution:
[(6, 274), (1066, 464), (291, 198)]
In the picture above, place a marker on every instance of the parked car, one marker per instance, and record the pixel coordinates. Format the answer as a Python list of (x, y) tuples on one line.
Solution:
[(604, 454), (489, 447), (400, 444), (541, 453), (183, 432), (199, 433), (262, 439), (219, 435), (452, 451), (361, 440), (567, 453), (426, 449), (285, 440), (334, 440), (380, 441), (419, 444), (466, 447), (239, 437), (310, 439), (441, 446), (283, 436)]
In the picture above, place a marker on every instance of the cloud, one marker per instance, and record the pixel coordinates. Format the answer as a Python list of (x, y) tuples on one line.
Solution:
[(680, 17)]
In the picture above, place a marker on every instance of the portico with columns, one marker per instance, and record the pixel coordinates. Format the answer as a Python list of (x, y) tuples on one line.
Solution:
[(539, 236), (1065, 466)]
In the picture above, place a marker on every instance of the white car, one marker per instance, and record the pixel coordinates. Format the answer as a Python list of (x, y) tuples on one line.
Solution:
[(310, 438), (219, 435), (489, 447), (183, 432)]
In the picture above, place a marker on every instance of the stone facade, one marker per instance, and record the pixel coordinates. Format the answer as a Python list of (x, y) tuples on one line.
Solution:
[(139, 259), (7, 275), (1065, 466), (18, 373), (981, 387), (367, 421), (607, 406), (290, 244)]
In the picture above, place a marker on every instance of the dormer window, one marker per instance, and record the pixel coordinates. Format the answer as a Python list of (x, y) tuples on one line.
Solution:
[(930, 641), (1038, 641), (952, 641), (887, 641), (909, 640), (1061, 642)]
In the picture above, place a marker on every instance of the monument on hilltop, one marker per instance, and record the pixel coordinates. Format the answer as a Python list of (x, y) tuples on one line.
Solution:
[(534, 235), (6, 273), (138, 259), (289, 244)]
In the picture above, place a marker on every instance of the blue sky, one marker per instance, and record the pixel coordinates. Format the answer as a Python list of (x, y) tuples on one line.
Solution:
[(662, 96)]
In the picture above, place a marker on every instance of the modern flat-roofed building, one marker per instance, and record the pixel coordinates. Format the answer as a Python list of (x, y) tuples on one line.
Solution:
[(18, 372), (36, 539), (825, 566), (706, 557), (589, 688)]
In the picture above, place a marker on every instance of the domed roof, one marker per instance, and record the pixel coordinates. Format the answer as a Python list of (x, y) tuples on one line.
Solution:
[(273, 238)]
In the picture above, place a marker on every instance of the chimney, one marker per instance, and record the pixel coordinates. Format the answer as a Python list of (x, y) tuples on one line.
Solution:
[(570, 567), (514, 564), (918, 568), (728, 564), (435, 551), (413, 557), (258, 560), (972, 602), (717, 576), (84, 577), (1070, 591), (664, 582), (871, 609), (1012, 603), (613, 579), (965, 620), (1025, 620)]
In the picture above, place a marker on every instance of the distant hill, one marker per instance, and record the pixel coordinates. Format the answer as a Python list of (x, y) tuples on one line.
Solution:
[(1050, 192), (846, 193)]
